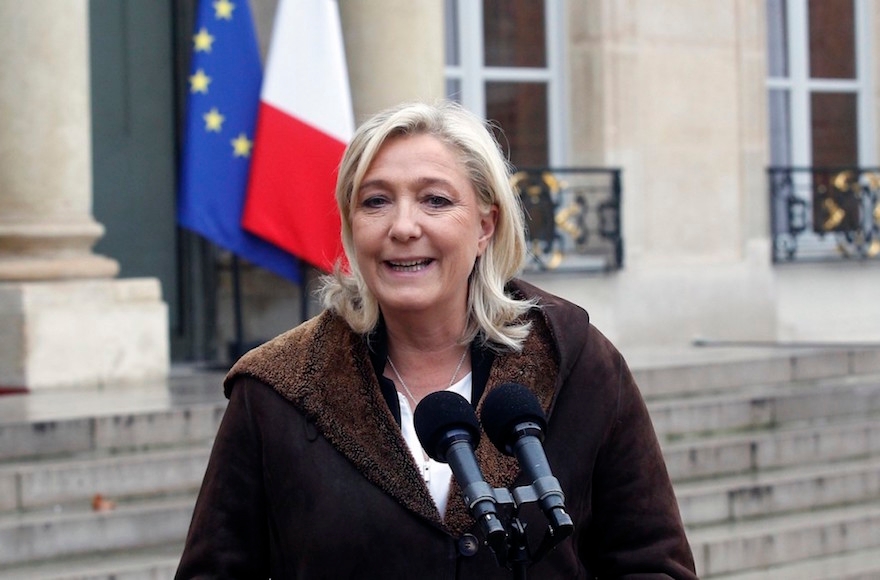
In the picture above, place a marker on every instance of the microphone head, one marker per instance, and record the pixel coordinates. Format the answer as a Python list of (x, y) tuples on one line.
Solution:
[(506, 407), (442, 418)]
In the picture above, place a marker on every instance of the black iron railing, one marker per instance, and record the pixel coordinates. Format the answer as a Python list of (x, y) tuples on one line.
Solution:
[(824, 213), (572, 218)]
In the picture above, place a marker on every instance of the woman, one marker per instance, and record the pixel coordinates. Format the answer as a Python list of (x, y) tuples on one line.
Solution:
[(316, 471)]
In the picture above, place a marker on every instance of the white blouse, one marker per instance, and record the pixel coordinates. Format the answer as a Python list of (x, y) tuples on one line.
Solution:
[(437, 475)]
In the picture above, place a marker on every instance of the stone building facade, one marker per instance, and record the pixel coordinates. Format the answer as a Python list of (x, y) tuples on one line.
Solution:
[(692, 101)]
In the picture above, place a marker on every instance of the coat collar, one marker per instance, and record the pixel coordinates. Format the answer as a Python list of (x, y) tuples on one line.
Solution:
[(341, 382), (481, 363)]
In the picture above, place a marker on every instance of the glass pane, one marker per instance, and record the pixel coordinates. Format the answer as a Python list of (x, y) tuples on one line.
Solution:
[(521, 111), (453, 90), (513, 31), (832, 39), (835, 132), (780, 130), (451, 30), (777, 39)]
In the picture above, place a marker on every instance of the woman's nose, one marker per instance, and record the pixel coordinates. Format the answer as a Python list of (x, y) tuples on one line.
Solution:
[(404, 222)]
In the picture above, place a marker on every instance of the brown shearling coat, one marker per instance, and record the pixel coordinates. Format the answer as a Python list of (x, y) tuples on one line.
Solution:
[(310, 477)]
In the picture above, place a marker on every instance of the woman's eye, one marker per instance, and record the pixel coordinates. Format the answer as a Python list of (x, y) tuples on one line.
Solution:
[(374, 201), (438, 201)]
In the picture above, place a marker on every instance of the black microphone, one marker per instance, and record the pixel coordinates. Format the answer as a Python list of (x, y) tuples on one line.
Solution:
[(515, 423), (448, 430)]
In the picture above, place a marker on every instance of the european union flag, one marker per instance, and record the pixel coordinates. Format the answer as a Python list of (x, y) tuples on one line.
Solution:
[(224, 95)]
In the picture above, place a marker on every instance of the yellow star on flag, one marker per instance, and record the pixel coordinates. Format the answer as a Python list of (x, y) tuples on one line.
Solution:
[(223, 9), (213, 120), (241, 146), (198, 83), (202, 41)]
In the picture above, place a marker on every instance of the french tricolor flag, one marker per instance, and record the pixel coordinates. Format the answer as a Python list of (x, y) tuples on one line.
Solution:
[(304, 122)]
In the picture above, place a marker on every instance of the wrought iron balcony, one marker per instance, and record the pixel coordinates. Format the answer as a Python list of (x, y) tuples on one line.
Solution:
[(824, 214), (572, 218)]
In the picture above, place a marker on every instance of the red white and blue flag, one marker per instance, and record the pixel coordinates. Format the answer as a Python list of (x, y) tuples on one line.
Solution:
[(305, 121), (261, 151)]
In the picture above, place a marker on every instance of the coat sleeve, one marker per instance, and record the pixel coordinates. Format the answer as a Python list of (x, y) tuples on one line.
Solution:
[(636, 530), (228, 535)]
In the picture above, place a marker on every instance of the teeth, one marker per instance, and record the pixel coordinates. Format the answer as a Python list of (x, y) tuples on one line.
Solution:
[(410, 264)]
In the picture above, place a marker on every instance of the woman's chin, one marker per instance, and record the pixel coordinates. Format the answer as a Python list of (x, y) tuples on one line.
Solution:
[(407, 305)]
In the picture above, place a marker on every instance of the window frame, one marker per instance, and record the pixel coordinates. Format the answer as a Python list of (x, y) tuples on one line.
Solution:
[(799, 85), (471, 74)]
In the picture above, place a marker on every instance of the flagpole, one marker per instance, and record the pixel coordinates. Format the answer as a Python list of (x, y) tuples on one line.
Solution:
[(303, 291), (238, 345)]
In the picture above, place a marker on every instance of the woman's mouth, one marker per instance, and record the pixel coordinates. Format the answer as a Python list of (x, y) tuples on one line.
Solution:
[(409, 265)]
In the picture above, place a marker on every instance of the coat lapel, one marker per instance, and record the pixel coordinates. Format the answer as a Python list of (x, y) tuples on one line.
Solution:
[(324, 369), (534, 367)]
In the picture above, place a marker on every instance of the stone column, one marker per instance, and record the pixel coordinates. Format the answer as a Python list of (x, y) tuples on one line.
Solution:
[(674, 94), (64, 319), (394, 50)]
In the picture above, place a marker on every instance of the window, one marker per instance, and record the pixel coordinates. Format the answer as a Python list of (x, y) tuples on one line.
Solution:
[(818, 88), (821, 124), (503, 62)]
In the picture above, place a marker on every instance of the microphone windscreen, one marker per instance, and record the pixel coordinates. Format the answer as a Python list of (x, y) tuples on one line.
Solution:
[(438, 414), (507, 406)]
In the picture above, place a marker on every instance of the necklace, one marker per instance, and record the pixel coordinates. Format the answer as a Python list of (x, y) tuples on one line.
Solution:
[(426, 461), (409, 393)]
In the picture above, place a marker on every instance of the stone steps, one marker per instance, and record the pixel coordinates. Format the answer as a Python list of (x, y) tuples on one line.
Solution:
[(141, 429), (857, 565), (772, 541), (78, 530), (764, 494), (28, 486), (775, 457), (739, 454), (152, 563), (663, 373), (777, 477), (150, 465), (143, 449), (764, 407)]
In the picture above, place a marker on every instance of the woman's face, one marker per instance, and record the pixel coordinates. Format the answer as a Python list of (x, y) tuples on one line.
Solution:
[(417, 228)]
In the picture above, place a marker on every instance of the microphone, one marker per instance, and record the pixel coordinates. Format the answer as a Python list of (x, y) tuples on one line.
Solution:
[(448, 430), (515, 423)]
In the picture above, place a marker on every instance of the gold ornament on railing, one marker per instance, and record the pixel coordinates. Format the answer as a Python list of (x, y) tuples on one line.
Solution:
[(845, 181), (565, 220), (835, 214), (873, 180), (559, 216)]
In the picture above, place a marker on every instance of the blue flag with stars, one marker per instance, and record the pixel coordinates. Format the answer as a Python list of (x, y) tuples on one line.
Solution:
[(224, 95)]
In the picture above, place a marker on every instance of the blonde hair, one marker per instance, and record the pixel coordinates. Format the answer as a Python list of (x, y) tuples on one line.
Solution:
[(491, 311)]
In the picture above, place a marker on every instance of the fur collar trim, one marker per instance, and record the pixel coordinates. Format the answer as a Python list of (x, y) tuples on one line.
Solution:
[(324, 369)]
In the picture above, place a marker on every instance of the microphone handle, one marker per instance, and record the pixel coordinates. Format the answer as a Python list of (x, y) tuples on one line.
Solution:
[(533, 461), (478, 495)]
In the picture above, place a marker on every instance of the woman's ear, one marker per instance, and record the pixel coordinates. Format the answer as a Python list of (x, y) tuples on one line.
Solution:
[(487, 228)]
